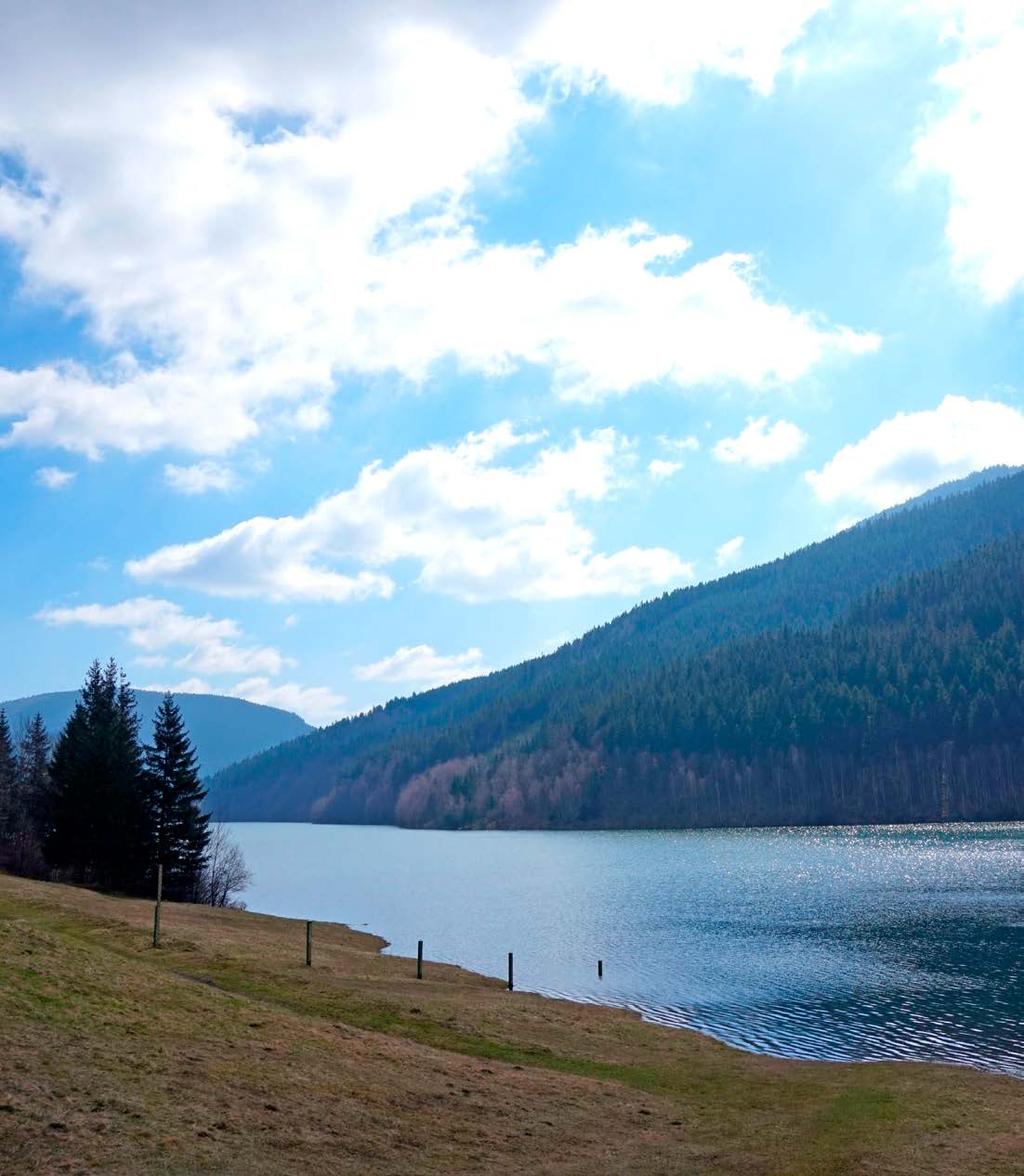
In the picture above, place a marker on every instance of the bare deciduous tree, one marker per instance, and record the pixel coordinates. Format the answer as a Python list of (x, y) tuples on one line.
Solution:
[(225, 874)]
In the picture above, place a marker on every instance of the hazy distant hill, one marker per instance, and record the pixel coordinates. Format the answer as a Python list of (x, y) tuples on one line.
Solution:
[(537, 744), (223, 730)]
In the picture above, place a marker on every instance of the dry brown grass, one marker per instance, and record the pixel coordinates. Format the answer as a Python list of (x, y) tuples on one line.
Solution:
[(222, 1053)]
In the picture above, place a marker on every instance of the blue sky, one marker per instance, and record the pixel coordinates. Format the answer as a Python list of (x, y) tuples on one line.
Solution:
[(345, 351)]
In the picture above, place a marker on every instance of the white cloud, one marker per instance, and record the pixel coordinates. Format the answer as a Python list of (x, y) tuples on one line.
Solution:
[(913, 451), (422, 665), (53, 477), (654, 52), (729, 552), (476, 527), (201, 477), (659, 469), (154, 626), (212, 647), (606, 313), (973, 144), (760, 445), (679, 444), (318, 705), (263, 202)]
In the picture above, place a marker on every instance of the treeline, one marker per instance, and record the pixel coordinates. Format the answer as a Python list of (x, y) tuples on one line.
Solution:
[(103, 808), (911, 708), (580, 708)]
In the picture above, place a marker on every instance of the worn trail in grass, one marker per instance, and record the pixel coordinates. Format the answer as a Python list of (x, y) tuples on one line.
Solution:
[(222, 1053)]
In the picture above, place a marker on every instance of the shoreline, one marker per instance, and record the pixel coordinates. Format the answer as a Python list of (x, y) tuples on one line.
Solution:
[(648, 1019), (222, 1052), (990, 822), (816, 1015)]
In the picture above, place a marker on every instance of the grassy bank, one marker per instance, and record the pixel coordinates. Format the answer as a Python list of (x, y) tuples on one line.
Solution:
[(222, 1053)]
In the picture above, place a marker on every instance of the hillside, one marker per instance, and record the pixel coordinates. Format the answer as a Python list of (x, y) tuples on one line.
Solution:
[(909, 709), (223, 729), (481, 746), (222, 1053)]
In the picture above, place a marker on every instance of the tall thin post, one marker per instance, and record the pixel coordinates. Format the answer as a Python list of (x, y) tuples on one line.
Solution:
[(600, 969), (510, 971), (419, 959), (159, 899), (309, 943)]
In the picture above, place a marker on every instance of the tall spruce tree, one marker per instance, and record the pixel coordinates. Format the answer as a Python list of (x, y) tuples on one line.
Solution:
[(31, 797), (100, 828), (8, 773), (180, 827)]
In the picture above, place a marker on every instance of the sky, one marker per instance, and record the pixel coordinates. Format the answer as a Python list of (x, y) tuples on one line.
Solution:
[(347, 349)]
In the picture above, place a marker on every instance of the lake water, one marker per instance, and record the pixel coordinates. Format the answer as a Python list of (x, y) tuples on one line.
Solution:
[(853, 944)]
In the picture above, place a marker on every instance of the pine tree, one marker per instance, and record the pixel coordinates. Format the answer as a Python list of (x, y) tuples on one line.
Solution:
[(100, 829), (180, 827), (132, 844), (31, 797), (70, 838), (8, 771)]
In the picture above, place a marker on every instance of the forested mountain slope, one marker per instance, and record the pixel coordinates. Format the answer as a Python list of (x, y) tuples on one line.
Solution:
[(909, 709), (555, 718), (222, 729)]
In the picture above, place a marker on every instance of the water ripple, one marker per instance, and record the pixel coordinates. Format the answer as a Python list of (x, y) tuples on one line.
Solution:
[(842, 944)]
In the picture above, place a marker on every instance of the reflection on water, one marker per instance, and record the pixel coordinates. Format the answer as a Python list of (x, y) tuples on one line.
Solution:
[(865, 943)]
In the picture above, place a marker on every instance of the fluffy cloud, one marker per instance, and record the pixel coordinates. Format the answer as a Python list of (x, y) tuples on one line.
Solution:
[(654, 54), (154, 626), (200, 478), (212, 647), (972, 143), (729, 552), (760, 444), (318, 705), (260, 202), (913, 451), (679, 444), (422, 665), (477, 528), (660, 469), (53, 477)]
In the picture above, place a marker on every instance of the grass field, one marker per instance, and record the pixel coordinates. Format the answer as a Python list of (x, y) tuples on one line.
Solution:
[(221, 1053)]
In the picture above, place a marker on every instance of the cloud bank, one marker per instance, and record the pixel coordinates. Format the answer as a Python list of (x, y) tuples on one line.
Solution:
[(473, 525), (914, 451), (249, 204)]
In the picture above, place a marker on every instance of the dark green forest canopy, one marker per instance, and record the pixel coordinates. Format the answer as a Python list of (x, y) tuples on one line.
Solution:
[(678, 711)]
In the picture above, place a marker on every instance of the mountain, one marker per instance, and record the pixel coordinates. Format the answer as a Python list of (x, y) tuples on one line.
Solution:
[(538, 743), (980, 478), (222, 729)]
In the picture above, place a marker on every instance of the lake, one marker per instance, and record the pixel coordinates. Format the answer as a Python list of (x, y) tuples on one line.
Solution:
[(848, 944)]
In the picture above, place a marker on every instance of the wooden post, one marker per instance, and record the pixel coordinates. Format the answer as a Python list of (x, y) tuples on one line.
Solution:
[(309, 943), (510, 971), (600, 969), (419, 959), (159, 899)]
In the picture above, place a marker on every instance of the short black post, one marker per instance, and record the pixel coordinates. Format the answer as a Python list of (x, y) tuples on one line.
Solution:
[(309, 943), (600, 969), (510, 971), (419, 959), (159, 899)]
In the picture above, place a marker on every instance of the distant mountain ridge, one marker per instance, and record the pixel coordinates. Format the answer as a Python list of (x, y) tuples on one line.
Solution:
[(478, 753), (223, 730)]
